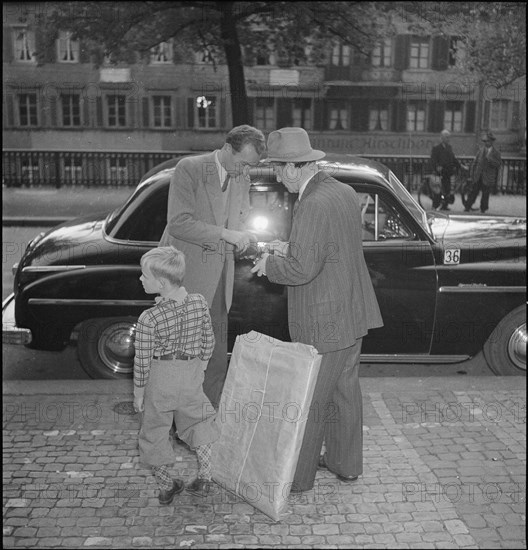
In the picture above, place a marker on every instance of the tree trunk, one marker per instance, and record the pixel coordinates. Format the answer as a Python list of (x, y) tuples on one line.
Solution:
[(233, 53)]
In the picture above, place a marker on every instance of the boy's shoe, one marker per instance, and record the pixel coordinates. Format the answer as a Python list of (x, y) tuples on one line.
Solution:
[(201, 487), (166, 496)]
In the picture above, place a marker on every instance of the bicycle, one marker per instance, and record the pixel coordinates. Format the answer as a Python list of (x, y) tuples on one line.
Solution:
[(430, 195)]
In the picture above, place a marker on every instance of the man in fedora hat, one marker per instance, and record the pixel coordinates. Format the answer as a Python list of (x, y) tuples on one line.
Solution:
[(486, 172), (331, 302)]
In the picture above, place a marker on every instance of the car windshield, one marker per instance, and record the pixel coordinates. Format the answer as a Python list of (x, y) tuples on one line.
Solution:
[(414, 208)]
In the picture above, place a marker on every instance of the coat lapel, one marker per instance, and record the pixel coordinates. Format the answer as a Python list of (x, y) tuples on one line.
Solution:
[(211, 183)]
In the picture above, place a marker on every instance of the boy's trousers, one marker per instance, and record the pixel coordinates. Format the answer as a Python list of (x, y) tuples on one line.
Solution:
[(174, 392)]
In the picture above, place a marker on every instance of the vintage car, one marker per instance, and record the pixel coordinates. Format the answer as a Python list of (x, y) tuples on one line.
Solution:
[(447, 285)]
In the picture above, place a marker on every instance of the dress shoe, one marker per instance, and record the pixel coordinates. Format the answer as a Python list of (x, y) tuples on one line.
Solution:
[(201, 487), (166, 496), (324, 466)]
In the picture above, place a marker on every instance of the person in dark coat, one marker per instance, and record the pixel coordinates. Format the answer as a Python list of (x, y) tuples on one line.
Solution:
[(331, 302), (485, 173), (445, 164)]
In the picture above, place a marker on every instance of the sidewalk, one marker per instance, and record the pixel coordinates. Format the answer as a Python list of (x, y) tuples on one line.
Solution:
[(444, 467)]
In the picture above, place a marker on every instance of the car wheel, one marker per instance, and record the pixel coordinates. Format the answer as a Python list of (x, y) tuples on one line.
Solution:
[(106, 347), (505, 350)]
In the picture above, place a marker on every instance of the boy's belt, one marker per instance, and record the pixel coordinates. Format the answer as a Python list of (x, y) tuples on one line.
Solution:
[(176, 355)]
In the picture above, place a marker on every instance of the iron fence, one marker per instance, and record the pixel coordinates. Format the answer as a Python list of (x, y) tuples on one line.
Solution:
[(40, 168)]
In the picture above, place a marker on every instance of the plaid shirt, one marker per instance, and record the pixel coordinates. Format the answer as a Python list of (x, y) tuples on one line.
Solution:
[(172, 326)]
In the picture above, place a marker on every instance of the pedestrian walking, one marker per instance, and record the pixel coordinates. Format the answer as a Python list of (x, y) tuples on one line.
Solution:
[(207, 207), (444, 164), (174, 340), (485, 173), (331, 302)]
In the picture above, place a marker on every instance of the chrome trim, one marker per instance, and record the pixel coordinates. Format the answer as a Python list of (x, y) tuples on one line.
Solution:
[(113, 240), (14, 269), (411, 358), (50, 268), (481, 288), (81, 302), (11, 334)]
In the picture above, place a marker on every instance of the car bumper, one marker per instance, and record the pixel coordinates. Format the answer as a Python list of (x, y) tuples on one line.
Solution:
[(11, 334)]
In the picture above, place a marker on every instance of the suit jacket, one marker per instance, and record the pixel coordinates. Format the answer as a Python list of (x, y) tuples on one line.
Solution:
[(195, 218), (487, 166), (442, 156), (331, 300)]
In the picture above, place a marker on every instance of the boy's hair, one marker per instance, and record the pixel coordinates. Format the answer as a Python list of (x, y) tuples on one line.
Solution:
[(166, 262), (243, 135)]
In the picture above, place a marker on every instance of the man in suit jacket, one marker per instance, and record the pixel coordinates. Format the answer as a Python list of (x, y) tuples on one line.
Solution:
[(485, 174), (445, 164), (331, 302), (207, 206)]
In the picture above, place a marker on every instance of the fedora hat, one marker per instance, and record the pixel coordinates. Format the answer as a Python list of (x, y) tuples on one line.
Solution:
[(489, 136), (291, 145)]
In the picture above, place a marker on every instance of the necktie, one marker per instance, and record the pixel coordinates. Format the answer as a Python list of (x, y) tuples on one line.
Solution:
[(224, 185)]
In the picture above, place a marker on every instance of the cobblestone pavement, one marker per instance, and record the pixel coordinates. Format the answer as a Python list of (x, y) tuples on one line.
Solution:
[(444, 467)]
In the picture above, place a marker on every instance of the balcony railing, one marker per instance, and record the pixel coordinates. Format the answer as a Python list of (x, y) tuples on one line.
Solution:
[(32, 168)]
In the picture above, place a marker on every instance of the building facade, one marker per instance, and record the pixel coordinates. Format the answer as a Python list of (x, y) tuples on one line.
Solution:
[(393, 102)]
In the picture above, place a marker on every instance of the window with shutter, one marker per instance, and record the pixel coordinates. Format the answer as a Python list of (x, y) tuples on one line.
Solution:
[(470, 116), (116, 114), (401, 52), (440, 53), (301, 114), (378, 113), (70, 110)]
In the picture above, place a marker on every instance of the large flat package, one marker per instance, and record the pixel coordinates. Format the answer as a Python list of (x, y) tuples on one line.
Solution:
[(262, 416)]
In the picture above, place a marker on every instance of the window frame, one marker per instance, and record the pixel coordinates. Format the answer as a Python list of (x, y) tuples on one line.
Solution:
[(420, 106), (108, 96), (385, 57), (163, 114), (269, 114), (450, 124), (155, 53), (28, 45), (30, 123), (196, 108), (379, 106), (62, 110), (420, 43), (306, 113), (73, 46)]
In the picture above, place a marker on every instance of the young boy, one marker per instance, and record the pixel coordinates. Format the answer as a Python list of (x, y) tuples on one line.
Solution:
[(174, 340)]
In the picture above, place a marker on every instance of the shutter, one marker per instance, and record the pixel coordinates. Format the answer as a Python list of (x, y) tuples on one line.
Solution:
[(190, 112), (52, 102), (284, 112), (8, 45), (222, 112), (99, 112), (486, 115), (10, 105), (436, 116), (401, 58), (145, 112), (470, 116), (86, 112), (360, 115), (515, 120), (84, 54), (399, 119), (440, 53), (320, 122), (251, 109)]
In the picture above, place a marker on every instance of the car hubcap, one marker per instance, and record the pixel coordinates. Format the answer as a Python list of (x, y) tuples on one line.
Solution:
[(517, 347), (116, 347)]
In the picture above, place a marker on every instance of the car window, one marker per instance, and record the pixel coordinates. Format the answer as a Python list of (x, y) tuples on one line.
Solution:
[(143, 220), (380, 221), (270, 212)]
